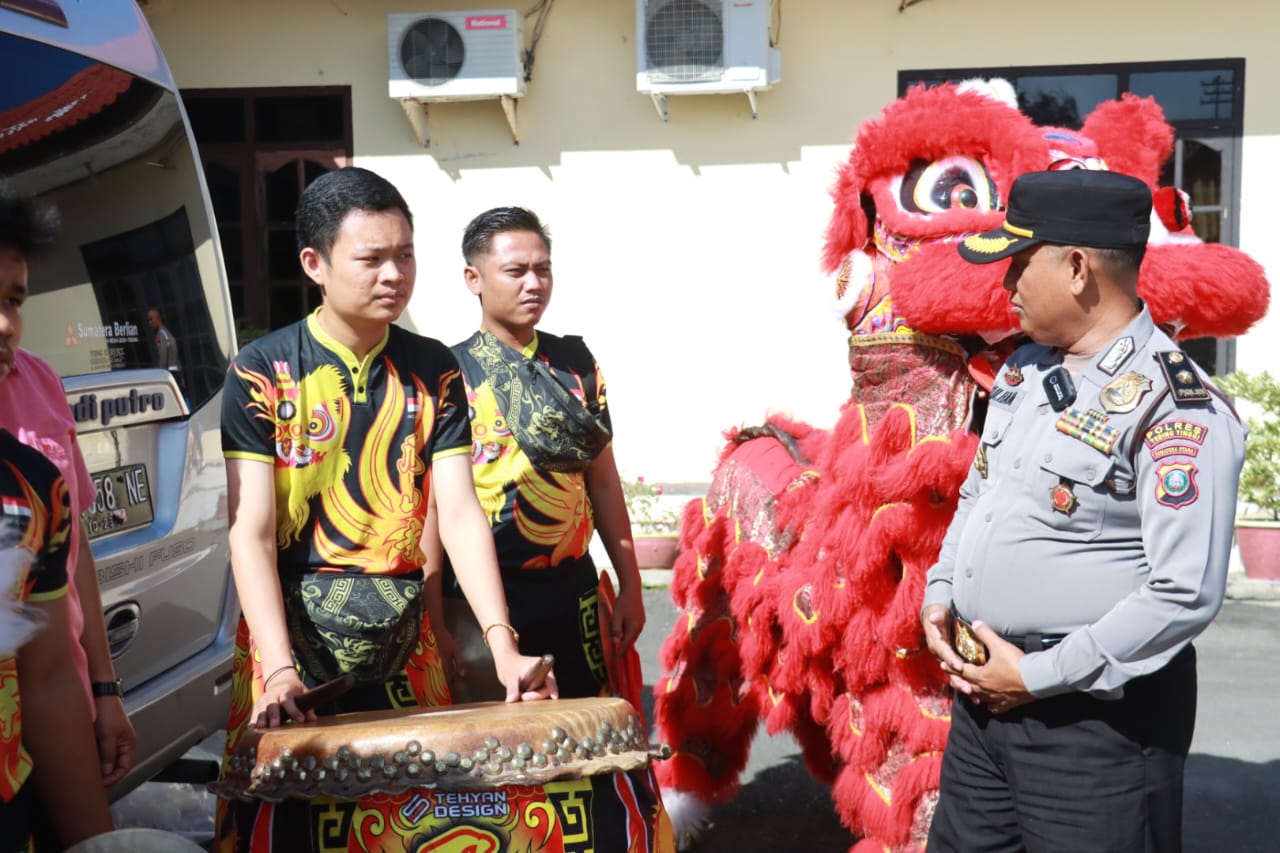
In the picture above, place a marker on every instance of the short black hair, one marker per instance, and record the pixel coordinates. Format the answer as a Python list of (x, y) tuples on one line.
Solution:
[(1124, 261), (478, 237), (325, 203), (26, 223)]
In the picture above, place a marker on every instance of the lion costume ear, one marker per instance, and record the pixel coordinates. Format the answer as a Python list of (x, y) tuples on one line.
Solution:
[(850, 226), (1132, 136)]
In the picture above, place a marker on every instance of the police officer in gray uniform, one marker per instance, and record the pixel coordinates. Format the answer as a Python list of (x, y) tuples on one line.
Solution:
[(1090, 545)]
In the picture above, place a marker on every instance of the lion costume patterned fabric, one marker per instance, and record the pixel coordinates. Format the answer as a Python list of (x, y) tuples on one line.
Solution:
[(802, 571)]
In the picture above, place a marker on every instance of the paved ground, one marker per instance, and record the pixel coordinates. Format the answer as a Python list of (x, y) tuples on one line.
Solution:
[(1232, 777)]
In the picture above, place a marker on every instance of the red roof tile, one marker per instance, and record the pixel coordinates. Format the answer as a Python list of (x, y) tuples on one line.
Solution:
[(84, 94)]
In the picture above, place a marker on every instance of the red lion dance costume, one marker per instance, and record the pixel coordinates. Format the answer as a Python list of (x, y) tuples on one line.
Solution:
[(802, 571)]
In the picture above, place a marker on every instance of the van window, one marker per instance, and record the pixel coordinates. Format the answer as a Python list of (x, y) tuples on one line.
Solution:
[(75, 131)]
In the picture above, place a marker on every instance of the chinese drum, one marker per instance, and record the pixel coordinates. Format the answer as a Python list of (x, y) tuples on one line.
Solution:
[(567, 775)]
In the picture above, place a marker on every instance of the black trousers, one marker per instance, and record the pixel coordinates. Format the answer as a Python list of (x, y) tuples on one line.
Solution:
[(556, 611), (1070, 773)]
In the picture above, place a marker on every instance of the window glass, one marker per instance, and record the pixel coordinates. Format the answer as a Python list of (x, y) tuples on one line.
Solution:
[(217, 118), (1063, 100), (135, 231), (1205, 94), (298, 118)]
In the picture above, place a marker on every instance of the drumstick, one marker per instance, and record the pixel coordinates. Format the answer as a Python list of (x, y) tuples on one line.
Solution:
[(537, 674), (324, 693)]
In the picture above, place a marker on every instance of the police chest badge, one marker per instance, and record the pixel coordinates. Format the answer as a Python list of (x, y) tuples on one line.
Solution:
[(1123, 394), (1013, 375), (1063, 499), (1176, 484)]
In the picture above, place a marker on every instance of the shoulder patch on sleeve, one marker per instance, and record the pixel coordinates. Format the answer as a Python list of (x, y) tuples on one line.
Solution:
[(1183, 382), (1176, 484), (1175, 438)]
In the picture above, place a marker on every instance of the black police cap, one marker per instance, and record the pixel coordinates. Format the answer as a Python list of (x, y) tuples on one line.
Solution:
[(1075, 207)]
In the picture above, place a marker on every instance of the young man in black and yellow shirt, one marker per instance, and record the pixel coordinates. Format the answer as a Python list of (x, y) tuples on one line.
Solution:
[(542, 456), (337, 431)]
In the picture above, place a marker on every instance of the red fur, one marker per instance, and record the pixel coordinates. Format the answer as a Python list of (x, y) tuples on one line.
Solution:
[(1132, 136), (964, 123), (1204, 290), (939, 296)]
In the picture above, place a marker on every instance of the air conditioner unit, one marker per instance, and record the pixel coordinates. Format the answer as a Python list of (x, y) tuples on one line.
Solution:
[(697, 47), (456, 56)]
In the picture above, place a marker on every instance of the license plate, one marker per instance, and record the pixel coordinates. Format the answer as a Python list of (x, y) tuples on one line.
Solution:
[(122, 500)]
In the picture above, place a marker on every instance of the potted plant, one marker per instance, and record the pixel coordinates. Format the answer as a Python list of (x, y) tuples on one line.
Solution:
[(1258, 528), (654, 525)]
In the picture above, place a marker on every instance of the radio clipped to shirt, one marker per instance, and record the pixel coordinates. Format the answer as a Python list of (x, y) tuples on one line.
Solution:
[(1059, 388)]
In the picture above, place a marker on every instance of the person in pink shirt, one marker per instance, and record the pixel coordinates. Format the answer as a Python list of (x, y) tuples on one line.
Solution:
[(33, 407)]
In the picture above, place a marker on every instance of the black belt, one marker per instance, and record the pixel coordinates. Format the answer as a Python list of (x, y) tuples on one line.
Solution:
[(1033, 642), (1026, 642)]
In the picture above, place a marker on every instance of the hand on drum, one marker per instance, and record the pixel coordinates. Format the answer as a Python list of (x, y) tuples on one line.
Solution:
[(513, 667), (278, 702)]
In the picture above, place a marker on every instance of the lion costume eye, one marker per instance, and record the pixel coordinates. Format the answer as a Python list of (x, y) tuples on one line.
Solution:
[(947, 184)]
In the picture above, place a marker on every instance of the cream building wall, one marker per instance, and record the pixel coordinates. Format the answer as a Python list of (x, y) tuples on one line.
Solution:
[(686, 252)]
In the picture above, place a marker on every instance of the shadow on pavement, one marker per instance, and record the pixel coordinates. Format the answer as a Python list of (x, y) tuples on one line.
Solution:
[(1229, 804), (782, 810)]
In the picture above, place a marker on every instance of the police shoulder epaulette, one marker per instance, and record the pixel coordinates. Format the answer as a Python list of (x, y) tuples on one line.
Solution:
[(1184, 383)]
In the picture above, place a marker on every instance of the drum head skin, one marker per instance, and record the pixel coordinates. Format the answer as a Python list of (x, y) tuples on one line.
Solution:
[(482, 746)]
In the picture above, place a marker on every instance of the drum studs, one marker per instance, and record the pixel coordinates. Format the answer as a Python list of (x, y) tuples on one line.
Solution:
[(413, 770), (400, 757), (524, 751), (562, 755), (517, 763), (341, 774), (331, 762), (321, 774), (548, 747), (389, 771), (309, 763), (570, 744), (466, 763), (364, 774), (377, 763), (452, 759), (481, 754), (428, 757), (504, 754), (493, 768), (559, 735), (413, 747), (441, 768), (491, 742), (276, 763), (581, 752), (344, 753), (538, 760), (588, 744)]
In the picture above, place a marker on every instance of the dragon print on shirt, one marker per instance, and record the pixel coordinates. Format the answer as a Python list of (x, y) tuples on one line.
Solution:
[(375, 510)]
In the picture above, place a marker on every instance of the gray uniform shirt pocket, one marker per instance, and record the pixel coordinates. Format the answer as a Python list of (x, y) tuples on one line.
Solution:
[(1074, 484)]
